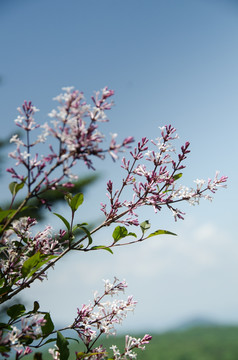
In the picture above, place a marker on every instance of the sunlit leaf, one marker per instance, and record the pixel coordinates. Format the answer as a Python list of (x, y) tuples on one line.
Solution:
[(145, 225), (101, 247), (64, 220), (121, 232), (76, 201), (87, 232), (30, 263), (161, 232), (35, 262), (177, 176)]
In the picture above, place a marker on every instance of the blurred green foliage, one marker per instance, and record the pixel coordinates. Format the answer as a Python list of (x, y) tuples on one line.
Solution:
[(199, 343)]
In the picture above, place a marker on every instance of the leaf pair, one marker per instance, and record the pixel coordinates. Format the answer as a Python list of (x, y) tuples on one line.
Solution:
[(121, 232), (14, 186), (145, 225), (74, 201)]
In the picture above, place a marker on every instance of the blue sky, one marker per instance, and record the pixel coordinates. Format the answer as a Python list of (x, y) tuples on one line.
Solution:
[(169, 62)]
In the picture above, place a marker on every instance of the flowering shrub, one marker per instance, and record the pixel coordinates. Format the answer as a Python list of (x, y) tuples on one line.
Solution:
[(152, 174)]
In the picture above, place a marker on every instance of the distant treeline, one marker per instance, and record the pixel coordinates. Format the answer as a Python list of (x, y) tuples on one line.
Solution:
[(198, 343)]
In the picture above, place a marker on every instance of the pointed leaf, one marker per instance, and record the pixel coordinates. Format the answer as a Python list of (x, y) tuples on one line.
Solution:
[(76, 201), (12, 187), (177, 176), (132, 234), (101, 247), (48, 327), (161, 232), (62, 344), (90, 240), (64, 221)]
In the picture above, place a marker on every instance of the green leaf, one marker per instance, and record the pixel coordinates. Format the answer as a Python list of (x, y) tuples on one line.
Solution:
[(2, 248), (161, 232), (101, 247), (20, 186), (76, 201), (4, 349), (145, 225), (77, 226), (36, 261), (49, 341), (5, 290), (87, 232), (5, 213), (2, 282), (36, 307), (14, 186), (45, 260), (5, 326), (177, 176), (30, 264), (62, 344), (132, 234), (121, 232), (68, 197), (64, 220), (16, 311), (48, 327)]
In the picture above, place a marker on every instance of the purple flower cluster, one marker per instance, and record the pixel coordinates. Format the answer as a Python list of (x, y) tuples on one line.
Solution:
[(130, 344), (74, 128), (15, 337), (155, 184), (18, 244), (100, 317), (152, 174)]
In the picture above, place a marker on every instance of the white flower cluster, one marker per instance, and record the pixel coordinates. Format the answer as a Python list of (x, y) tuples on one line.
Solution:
[(19, 244), (30, 328), (130, 344), (101, 316)]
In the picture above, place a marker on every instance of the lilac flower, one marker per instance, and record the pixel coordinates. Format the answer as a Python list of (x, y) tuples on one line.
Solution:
[(19, 245), (155, 183), (15, 337), (75, 129), (130, 344), (101, 316)]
